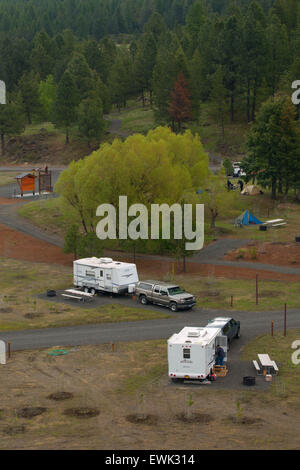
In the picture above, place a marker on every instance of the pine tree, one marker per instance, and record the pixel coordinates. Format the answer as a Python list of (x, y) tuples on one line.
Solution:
[(144, 63), (65, 103), (273, 146), (28, 87), (90, 119), (12, 122), (218, 98)]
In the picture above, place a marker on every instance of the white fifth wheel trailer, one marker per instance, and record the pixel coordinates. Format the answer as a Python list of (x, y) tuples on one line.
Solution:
[(191, 352), (104, 275)]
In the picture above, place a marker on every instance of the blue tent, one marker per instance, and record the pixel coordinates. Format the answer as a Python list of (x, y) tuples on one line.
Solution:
[(246, 218)]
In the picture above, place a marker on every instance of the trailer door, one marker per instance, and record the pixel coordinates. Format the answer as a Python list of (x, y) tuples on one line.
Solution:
[(108, 279), (222, 341), (100, 277)]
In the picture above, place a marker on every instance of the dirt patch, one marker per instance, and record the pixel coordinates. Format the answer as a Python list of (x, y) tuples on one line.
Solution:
[(14, 429), (14, 244), (57, 396), (140, 418), (269, 293), (44, 146), (6, 309), (276, 253), (213, 293), (194, 417), (5, 201), (30, 412), (246, 420), (83, 412), (33, 315)]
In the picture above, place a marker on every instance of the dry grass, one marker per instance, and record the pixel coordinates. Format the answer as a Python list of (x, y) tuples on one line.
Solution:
[(21, 282), (134, 405)]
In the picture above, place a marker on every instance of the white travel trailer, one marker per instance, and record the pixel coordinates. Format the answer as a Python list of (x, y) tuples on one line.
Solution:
[(104, 275), (191, 352)]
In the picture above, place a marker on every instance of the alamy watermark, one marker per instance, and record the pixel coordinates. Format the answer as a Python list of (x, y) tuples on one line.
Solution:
[(296, 354), (296, 94), (145, 225), (2, 92)]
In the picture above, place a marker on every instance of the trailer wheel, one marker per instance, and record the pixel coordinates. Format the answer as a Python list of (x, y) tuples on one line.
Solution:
[(173, 307), (86, 290), (143, 299), (93, 291)]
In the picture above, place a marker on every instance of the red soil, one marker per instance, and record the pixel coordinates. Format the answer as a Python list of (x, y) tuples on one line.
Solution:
[(14, 244), (277, 253)]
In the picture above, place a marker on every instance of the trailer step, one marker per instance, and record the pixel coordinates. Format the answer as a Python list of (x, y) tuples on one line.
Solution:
[(220, 371)]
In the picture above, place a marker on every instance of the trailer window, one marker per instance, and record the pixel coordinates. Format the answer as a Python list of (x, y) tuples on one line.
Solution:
[(101, 273), (90, 273), (108, 276), (186, 353)]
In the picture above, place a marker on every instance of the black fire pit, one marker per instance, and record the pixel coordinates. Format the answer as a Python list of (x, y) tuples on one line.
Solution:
[(51, 293), (249, 380)]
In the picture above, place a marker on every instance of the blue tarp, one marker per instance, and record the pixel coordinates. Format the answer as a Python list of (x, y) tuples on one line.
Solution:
[(247, 218)]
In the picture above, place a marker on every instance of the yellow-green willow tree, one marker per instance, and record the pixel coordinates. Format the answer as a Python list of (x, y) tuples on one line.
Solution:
[(160, 167)]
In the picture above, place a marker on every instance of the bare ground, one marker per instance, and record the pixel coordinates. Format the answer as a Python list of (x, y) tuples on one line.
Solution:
[(124, 400)]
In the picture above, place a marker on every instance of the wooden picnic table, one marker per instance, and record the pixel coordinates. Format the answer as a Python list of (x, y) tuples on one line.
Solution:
[(267, 364), (274, 221), (79, 292), (77, 295), (265, 360)]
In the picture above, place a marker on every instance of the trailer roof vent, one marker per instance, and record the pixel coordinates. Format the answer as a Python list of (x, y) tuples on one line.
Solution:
[(193, 334), (105, 260)]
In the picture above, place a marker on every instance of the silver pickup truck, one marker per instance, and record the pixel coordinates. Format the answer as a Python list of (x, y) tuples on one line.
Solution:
[(163, 293)]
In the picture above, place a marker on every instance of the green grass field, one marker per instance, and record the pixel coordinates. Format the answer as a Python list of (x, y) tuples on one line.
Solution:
[(8, 177), (279, 349), (215, 293), (135, 118), (35, 128)]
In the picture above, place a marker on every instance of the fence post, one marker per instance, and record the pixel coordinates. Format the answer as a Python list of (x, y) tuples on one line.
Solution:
[(256, 283)]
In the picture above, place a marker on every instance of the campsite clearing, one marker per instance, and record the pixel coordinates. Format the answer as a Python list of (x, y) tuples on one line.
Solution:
[(129, 402)]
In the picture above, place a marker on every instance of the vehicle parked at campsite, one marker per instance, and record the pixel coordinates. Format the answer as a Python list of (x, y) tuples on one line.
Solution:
[(105, 275), (166, 294), (192, 352), (229, 327), (237, 170)]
